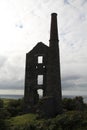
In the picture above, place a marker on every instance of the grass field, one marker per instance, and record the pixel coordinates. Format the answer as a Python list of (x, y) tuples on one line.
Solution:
[(19, 122), (68, 121)]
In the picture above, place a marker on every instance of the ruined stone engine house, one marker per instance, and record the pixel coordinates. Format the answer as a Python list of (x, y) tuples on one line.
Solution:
[(43, 72)]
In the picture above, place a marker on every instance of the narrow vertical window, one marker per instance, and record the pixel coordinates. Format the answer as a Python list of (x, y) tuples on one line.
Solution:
[(40, 79), (40, 59)]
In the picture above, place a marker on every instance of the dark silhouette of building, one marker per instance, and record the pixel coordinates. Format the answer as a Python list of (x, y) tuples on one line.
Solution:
[(43, 72)]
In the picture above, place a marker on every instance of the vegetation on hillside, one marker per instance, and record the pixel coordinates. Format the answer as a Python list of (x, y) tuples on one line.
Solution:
[(12, 117)]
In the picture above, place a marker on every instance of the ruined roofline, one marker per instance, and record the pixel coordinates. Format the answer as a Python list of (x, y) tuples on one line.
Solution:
[(38, 45)]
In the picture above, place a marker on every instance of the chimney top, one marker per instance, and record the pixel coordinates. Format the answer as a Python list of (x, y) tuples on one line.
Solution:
[(53, 29), (54, 14)]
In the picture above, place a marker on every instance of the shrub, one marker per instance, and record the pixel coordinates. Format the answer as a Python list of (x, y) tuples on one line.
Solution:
[(68, 104), (1, 103), (73, 104), (4, 114), (15, 107), (70, 120), (3, 125)]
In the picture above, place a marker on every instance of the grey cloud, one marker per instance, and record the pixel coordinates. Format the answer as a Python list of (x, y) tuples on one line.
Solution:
[(71, 77), (3, 60), (12, 84), (12, 73), (66, 2), (84, 2), (70, 2), (19, 25), (83, 86), (74, 82), (68, 82), (67, 85), (82, 17)]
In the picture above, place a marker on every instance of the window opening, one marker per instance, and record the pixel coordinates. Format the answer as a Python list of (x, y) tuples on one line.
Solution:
[(40, 93), (43, 66), (36, 67), (40, 79), (40, 59)]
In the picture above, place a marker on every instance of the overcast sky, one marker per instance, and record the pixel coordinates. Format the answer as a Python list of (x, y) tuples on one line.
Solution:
[(24, 23)]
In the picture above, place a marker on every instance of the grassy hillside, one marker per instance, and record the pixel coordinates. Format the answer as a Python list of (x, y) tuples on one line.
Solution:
[(74, 116), (72, 120), (21, 122)]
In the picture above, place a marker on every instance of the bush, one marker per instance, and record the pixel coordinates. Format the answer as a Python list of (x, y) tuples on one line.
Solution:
[(1, 103), (79, 104), (68, 104), (70, 120), (4, 114), (2, 125), (73, 104), (15, 107)]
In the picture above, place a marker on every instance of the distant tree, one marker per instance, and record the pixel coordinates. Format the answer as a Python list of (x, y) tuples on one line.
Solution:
[(68, 104), (73, 104), (79, 104)]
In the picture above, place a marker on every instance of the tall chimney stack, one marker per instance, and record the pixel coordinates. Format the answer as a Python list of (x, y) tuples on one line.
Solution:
[(53, 29), (53, 68)]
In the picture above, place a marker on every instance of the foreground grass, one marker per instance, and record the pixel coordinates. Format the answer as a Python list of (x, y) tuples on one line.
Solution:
[(73, 120), (19, 122), (22, 120), (12, 117)]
